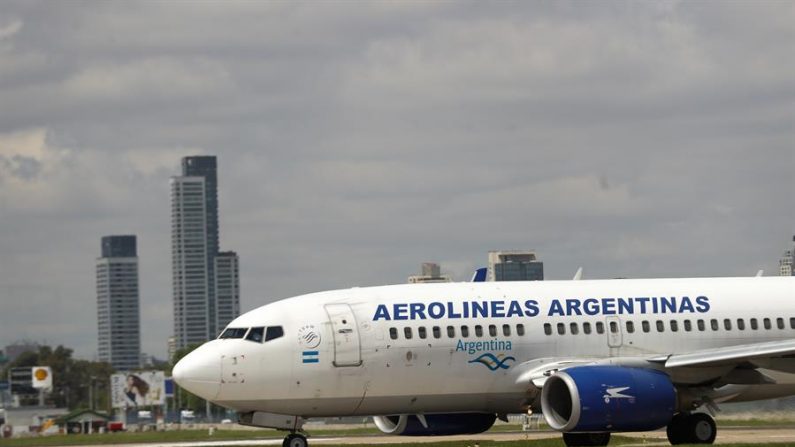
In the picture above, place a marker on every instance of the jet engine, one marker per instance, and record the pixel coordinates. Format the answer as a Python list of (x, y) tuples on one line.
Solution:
[(435, 424), (608, 398)]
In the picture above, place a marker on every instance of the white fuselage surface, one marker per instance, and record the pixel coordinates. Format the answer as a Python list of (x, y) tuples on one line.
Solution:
[(474, 347)]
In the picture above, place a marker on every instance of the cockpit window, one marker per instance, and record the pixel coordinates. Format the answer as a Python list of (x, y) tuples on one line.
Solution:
[(255, 334), (273, 333), (234, 332)]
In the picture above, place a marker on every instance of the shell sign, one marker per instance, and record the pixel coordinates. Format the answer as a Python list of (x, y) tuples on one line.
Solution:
[(41, 377)]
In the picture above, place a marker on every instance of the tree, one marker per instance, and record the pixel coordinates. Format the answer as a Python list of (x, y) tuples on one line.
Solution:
[(74, 382)]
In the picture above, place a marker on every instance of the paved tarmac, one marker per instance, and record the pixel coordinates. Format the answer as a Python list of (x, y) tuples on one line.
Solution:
[(755, 435)]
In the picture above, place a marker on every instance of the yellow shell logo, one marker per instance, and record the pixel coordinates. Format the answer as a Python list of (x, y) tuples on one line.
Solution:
[(40, 374)]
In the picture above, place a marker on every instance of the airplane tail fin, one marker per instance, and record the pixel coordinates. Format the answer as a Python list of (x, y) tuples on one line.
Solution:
[(480, 275)]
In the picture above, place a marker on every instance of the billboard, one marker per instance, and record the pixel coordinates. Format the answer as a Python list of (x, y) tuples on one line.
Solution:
[(138, 389)]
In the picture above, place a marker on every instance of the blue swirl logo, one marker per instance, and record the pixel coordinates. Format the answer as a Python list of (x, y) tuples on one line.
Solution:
[(493, 362)]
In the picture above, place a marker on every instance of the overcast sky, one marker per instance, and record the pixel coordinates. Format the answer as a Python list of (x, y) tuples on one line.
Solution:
[(356, 140)]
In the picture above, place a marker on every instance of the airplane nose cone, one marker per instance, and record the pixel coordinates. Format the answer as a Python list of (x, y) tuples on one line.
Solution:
[(199, 372)]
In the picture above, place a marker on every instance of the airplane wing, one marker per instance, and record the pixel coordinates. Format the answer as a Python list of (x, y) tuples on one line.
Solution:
[(755, 354), (775, 355)]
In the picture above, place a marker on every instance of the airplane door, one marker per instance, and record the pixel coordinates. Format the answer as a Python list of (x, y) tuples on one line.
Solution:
[(614, 338), (347, 347)]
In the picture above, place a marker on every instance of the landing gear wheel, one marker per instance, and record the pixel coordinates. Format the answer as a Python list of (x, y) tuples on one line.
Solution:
[(295, 440), (701, 429), (696, 428), (586, 439), (677, 429)]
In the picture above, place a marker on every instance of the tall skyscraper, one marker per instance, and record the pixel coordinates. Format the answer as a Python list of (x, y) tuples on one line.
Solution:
[(227, 288), (514, 265), (194, 249), (785, 264), (118, 303), (431, 272), (206, 167)]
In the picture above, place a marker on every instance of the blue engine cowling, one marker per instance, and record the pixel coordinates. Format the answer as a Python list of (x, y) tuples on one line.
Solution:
[(437, 424), (608, 398)]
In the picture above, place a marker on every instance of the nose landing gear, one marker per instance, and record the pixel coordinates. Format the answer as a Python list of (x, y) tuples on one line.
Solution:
[(295, 440)]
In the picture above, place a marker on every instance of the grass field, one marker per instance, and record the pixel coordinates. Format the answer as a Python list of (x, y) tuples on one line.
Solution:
[(126, 438), (201, 435)]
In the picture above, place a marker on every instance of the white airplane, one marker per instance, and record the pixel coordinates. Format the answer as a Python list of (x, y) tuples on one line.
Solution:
[(595, 357)]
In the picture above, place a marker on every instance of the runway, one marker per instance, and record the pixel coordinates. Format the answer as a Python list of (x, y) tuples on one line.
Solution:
[(756, 435)]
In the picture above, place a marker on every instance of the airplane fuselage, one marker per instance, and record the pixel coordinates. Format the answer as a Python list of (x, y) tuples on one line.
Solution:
[(473, 347)]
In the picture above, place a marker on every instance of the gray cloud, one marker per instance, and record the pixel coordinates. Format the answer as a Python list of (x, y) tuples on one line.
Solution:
[(357, 140)]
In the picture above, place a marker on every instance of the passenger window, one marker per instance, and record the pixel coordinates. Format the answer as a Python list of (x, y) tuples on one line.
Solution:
[(754, 324), (701, 326), (660, 326), (561, 329), (613, 327), (713, 323), (464, 331), (674, 326), (492, 330), (255, 334), (234, 332), (506, 330), (767, 324), (520, 330), (600, 327), (451, 331), (630, 327), (586, 328), (574, 329), (727, 324), (688, 326), (792, 323), (780, 323), (645, 325), (273, 333), (407, 333), (478, 331), (437, 332), (393, 333), (740, 324), (547, 328), (422, 332)]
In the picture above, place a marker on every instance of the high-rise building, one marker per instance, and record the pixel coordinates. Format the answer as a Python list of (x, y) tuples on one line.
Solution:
[(194, 249), (189, 261), (514, 265), (431, 272), (785, 264), (206, 167), (118, 303), (171, 348), (227, 288)]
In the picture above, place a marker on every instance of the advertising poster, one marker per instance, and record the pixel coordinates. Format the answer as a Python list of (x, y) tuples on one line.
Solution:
[(138, 389)]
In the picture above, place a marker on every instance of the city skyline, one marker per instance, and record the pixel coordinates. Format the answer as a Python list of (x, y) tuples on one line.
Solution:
[(358, 140)]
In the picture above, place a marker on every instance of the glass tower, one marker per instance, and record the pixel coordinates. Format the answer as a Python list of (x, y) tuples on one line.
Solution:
[(118, 303), (199, 311), (206, 166)]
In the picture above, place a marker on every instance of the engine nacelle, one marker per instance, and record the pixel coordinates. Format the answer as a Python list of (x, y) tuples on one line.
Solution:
[(437, 424), (608, 398)]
